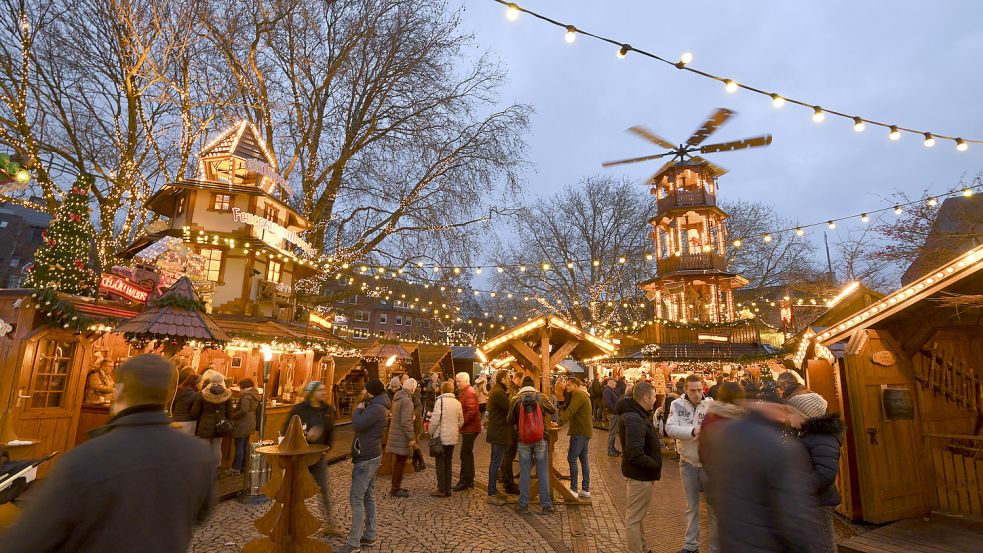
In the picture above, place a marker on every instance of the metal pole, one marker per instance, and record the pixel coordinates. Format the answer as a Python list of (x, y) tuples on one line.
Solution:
[(262, 414)]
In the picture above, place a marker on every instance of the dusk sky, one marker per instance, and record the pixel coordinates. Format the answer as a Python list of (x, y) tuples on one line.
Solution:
[(913, 64)]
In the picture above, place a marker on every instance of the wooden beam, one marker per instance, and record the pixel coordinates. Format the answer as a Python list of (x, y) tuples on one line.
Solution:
[(527, 352), (563, 352), (524, 364), (544, 364)]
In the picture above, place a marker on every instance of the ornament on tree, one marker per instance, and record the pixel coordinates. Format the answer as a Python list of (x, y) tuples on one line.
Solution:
[(61, 262)]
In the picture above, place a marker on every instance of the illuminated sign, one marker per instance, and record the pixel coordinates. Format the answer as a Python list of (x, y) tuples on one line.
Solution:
[(123, 287), (278, 232), (705, 338), (263, 168)]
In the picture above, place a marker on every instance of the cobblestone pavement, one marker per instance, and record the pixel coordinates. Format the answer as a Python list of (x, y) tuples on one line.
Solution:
[(465, 523)]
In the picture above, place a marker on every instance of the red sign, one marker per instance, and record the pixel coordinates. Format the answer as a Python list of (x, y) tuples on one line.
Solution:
[(123, 287)]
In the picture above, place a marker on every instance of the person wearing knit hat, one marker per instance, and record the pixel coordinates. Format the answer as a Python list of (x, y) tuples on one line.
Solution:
[(369, 424), (810, 404), (375, 387), (317, 418)]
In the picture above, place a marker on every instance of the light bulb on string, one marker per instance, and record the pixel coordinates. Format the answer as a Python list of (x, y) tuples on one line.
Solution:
[(818, 115), (730, 86), (737, 243), (571, 35), (967, 192), (961, 145), (799, 231), (929, 140), (895, 134), (831, 224), (864, 217), (932, 202), (623, 51), (512, 12), (684, 59), (777, 101), (898, 210), (859, 125), (767, 238)]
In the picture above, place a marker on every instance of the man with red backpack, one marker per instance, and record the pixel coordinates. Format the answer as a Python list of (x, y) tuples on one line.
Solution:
[(529, 413)]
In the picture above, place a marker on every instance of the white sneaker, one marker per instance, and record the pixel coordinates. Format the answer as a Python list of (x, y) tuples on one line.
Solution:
[(574, 492), (584, 494)]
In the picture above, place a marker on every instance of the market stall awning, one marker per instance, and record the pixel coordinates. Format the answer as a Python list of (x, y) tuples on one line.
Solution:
[(176, 314), (343, 367), (264, 330), (571, 366), (385, 350), (431, 356)]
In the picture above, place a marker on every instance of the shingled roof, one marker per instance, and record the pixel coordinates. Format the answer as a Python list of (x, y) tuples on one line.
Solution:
[(173, 316)]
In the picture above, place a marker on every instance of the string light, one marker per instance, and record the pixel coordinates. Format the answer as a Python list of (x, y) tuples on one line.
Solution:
[(623, 51), (685, 58), (831, 224), (817, 115), (767, 238), (895, 134), (864, 217), (799, 231), (512, 12), (571, 35), (932, 202), (961, 145), (898, 210), (967, 192), (731, 85), (929, 140), (777, 101)]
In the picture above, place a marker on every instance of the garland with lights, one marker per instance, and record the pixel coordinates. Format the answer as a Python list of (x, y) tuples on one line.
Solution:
[(62, 261), (62, 313), (819, 113)]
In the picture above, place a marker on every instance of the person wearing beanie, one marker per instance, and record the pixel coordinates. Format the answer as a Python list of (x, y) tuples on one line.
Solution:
[(369, 424), (317, 418), (212, 407), (822, 435)]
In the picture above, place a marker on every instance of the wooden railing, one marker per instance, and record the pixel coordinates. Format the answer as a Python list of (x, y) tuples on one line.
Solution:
[(958, 464), (691, 261), (686, 198)]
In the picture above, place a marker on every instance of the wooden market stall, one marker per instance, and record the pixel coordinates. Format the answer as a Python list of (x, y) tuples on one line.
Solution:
[(537, 347), (910, 375)]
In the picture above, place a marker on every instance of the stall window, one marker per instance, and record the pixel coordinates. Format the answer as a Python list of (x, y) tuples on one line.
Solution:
[(51, 371), (213, 263), (273, 271), (383, 318), (222, 202)]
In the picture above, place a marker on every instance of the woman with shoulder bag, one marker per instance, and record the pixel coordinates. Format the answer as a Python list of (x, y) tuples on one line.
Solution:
[(445, 425), (213, 411)]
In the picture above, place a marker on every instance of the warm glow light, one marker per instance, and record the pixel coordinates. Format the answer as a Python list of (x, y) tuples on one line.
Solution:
[(267, 353), (898, 210), (831, 224), (929, 140), (961, 145), (818, 115), (967, 192), (737, 243), (864, 217), (895, 134), (777, 101), (685, 58), (512, 12), (858, 124), (767, 238), (571, 34), (730, 86), (623, 51), (800, 231), (932, 202)]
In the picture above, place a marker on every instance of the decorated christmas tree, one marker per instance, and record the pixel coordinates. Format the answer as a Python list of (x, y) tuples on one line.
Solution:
[(62, 261)]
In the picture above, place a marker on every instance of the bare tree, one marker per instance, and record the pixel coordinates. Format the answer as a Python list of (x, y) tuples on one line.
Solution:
[(785, 260), (593, 240), (395, 145), (854, 262)]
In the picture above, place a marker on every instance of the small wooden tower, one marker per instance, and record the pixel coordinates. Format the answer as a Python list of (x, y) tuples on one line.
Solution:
[(689, 230)]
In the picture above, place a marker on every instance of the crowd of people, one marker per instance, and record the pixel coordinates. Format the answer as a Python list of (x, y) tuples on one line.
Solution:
[(764, 455)]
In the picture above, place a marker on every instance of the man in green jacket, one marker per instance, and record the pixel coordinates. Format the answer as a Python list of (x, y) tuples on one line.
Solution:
[(578, 414)]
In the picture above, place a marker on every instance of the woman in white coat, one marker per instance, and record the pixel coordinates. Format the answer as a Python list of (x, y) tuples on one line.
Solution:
[(446, 421)]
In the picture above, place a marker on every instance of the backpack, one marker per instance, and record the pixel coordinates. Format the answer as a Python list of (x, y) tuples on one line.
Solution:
[(531, 429)]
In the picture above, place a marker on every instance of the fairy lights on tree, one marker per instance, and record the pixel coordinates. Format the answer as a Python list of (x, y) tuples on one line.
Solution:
[(62, 261)]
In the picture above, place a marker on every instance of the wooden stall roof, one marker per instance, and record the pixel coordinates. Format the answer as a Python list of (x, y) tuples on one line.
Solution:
[(561, 331), (343, 366), (171, 320), (852, 298), (239, 325), (431, 356), (385, 350), (932, 283)]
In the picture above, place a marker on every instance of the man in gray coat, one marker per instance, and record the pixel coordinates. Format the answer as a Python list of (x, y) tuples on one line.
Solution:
[(138, 485)]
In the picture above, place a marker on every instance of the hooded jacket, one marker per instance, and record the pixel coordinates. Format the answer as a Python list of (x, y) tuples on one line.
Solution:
[(684, 417), (447, 418), (823, 437), (499, 432), (136, 485), (578, 414), (640, 443), (369, 424), (401, 431), (212, 405), (545, 405), (245, 413), (184, 400), (472, 414)]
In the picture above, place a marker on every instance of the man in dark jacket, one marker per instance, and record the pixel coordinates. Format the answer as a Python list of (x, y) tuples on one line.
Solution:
[(596, 398), (317, 418), (499, 436), (761, 489), (369, 421), (822, 436), (642, 462), (138, 485), (611, 396)]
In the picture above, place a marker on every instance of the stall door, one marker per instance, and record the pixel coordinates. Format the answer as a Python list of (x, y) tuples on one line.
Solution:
[(887, 451), (46, 402)]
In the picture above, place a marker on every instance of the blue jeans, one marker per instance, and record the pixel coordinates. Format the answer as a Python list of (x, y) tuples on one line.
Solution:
[(362, 501), (241, 447), (497, 454), (578, 451), (527, 452)]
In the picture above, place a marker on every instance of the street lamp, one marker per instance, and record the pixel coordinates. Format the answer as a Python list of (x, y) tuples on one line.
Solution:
[(267, 359)]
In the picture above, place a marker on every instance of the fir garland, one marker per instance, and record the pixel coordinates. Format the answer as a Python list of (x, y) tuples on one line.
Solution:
[(60, 313)]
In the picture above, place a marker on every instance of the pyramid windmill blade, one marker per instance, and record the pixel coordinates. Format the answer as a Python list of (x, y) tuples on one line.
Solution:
[(755, 142), (634, 160), (712, 124), (651, 136), (717, 170)]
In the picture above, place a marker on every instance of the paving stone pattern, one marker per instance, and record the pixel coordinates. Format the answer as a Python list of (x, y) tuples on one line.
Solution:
[(465, 523)]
